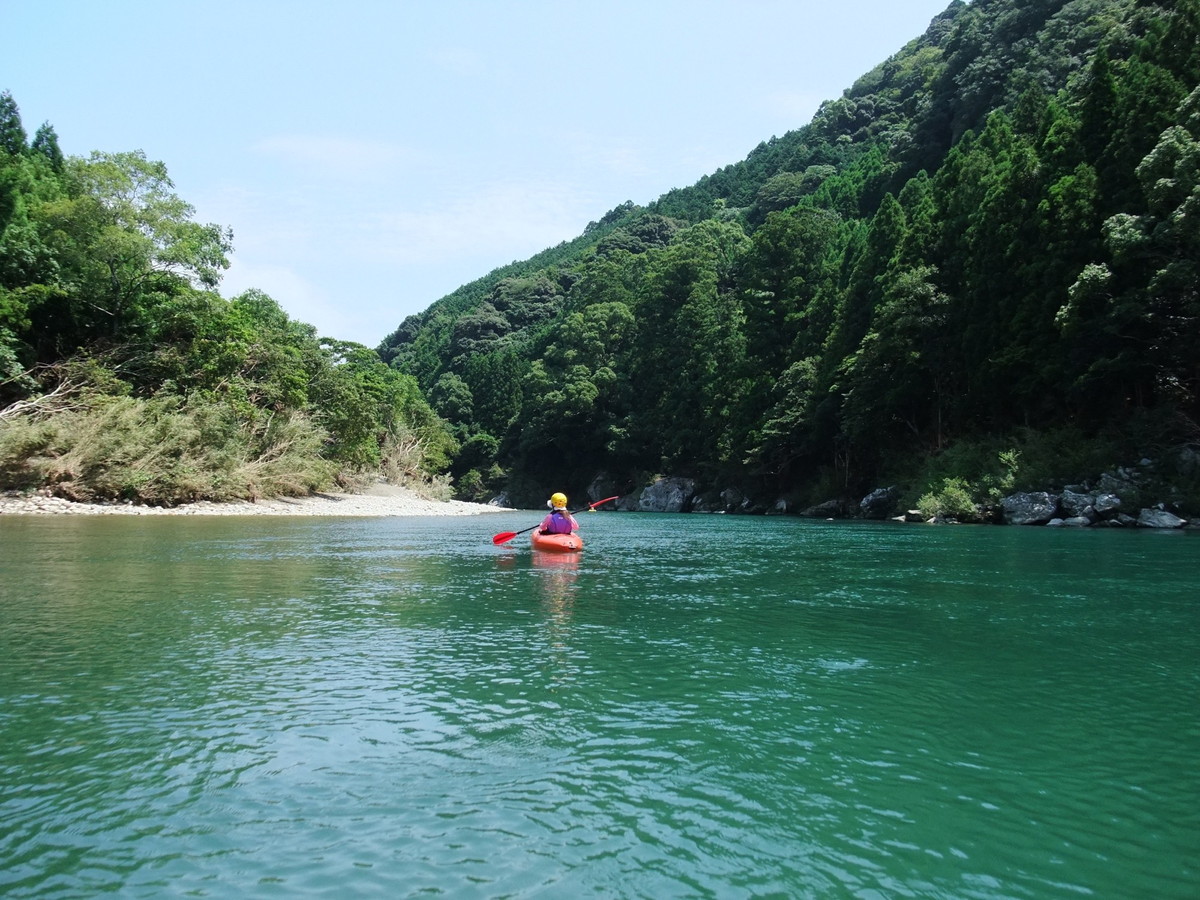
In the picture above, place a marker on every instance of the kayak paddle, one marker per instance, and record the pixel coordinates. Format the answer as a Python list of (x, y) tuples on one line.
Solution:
[(505, 536)]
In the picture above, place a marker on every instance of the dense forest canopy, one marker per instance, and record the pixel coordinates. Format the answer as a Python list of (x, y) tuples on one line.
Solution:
[(976, 269), (979, 262)]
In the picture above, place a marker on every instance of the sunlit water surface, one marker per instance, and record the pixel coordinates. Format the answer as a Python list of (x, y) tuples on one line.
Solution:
[(696, 707)]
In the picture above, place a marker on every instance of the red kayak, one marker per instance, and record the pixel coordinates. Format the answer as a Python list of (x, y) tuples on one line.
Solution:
[(557, 543)]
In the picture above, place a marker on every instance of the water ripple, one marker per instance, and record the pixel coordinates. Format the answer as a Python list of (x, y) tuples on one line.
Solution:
[(315, 708)]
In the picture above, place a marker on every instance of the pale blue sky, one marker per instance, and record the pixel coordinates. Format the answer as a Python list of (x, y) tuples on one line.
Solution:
[(372, 156)]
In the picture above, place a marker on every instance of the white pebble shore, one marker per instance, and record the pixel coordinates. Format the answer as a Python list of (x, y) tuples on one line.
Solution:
[(379, 500)]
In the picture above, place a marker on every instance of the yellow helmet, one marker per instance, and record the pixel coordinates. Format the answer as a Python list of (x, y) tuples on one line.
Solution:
[(558, 501)]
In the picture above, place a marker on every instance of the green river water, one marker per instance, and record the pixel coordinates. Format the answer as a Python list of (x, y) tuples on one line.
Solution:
[(698, 706)]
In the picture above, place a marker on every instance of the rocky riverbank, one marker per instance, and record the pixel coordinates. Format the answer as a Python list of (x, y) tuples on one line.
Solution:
[(378, 500), (1126, 497)]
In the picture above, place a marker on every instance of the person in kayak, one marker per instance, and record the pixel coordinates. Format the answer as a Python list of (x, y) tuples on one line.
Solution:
[(559, 521)]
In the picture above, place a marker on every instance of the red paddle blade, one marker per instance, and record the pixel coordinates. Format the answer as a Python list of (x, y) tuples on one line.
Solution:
[(503, 537)]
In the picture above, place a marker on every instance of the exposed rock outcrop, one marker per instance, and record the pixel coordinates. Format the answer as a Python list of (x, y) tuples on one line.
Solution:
[(667, 495), (603, 485)]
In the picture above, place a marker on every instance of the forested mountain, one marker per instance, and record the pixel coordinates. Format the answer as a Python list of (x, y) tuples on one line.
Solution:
[(123, 375), (976, 268)]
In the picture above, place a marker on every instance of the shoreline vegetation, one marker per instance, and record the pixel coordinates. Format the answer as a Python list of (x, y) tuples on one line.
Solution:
[(380, 500), (941, 299)]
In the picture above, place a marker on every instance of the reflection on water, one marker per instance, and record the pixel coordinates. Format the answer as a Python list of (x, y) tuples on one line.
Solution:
[(556, 577), (740, 708), (557, 574)]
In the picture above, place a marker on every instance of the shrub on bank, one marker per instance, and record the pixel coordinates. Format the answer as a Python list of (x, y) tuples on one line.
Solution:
[(161, 451), (951, 500)]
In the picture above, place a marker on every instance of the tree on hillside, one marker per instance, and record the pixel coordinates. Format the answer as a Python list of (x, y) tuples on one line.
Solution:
[(45, 143), (122, 243), (1135, 315), (12, 131)]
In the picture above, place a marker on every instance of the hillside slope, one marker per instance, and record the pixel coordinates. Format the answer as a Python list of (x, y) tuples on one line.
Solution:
[(977, 263)]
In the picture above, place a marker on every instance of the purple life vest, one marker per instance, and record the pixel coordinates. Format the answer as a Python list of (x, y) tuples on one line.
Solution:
[(558, 522)]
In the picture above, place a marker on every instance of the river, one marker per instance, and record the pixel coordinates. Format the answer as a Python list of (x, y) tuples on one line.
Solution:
[(698, 706)]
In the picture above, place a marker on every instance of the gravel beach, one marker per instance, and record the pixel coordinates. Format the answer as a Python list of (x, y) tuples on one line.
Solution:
[(377, 500)]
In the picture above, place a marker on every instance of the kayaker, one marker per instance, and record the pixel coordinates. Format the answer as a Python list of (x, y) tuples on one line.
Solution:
[(559, 521)]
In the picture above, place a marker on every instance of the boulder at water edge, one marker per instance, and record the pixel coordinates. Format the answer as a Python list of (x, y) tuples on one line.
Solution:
[(1078, 505), (1159, 518), (1036, 508), (879, 504)]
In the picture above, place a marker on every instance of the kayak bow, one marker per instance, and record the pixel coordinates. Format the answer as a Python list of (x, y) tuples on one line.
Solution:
[(556, 543)]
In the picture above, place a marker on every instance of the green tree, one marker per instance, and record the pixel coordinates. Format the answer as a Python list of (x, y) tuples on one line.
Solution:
[(789, 282), (574, 404), (896, 383), (988, 194), (135, 195), (691, 337), (1135, 316), (45, 143), (788, 188), (369, 408), (479, 331), (494, 380), (789, 429), (919, 243), (452, 399), (123, 242), (886, 233), (907, 254), (12, 132)]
